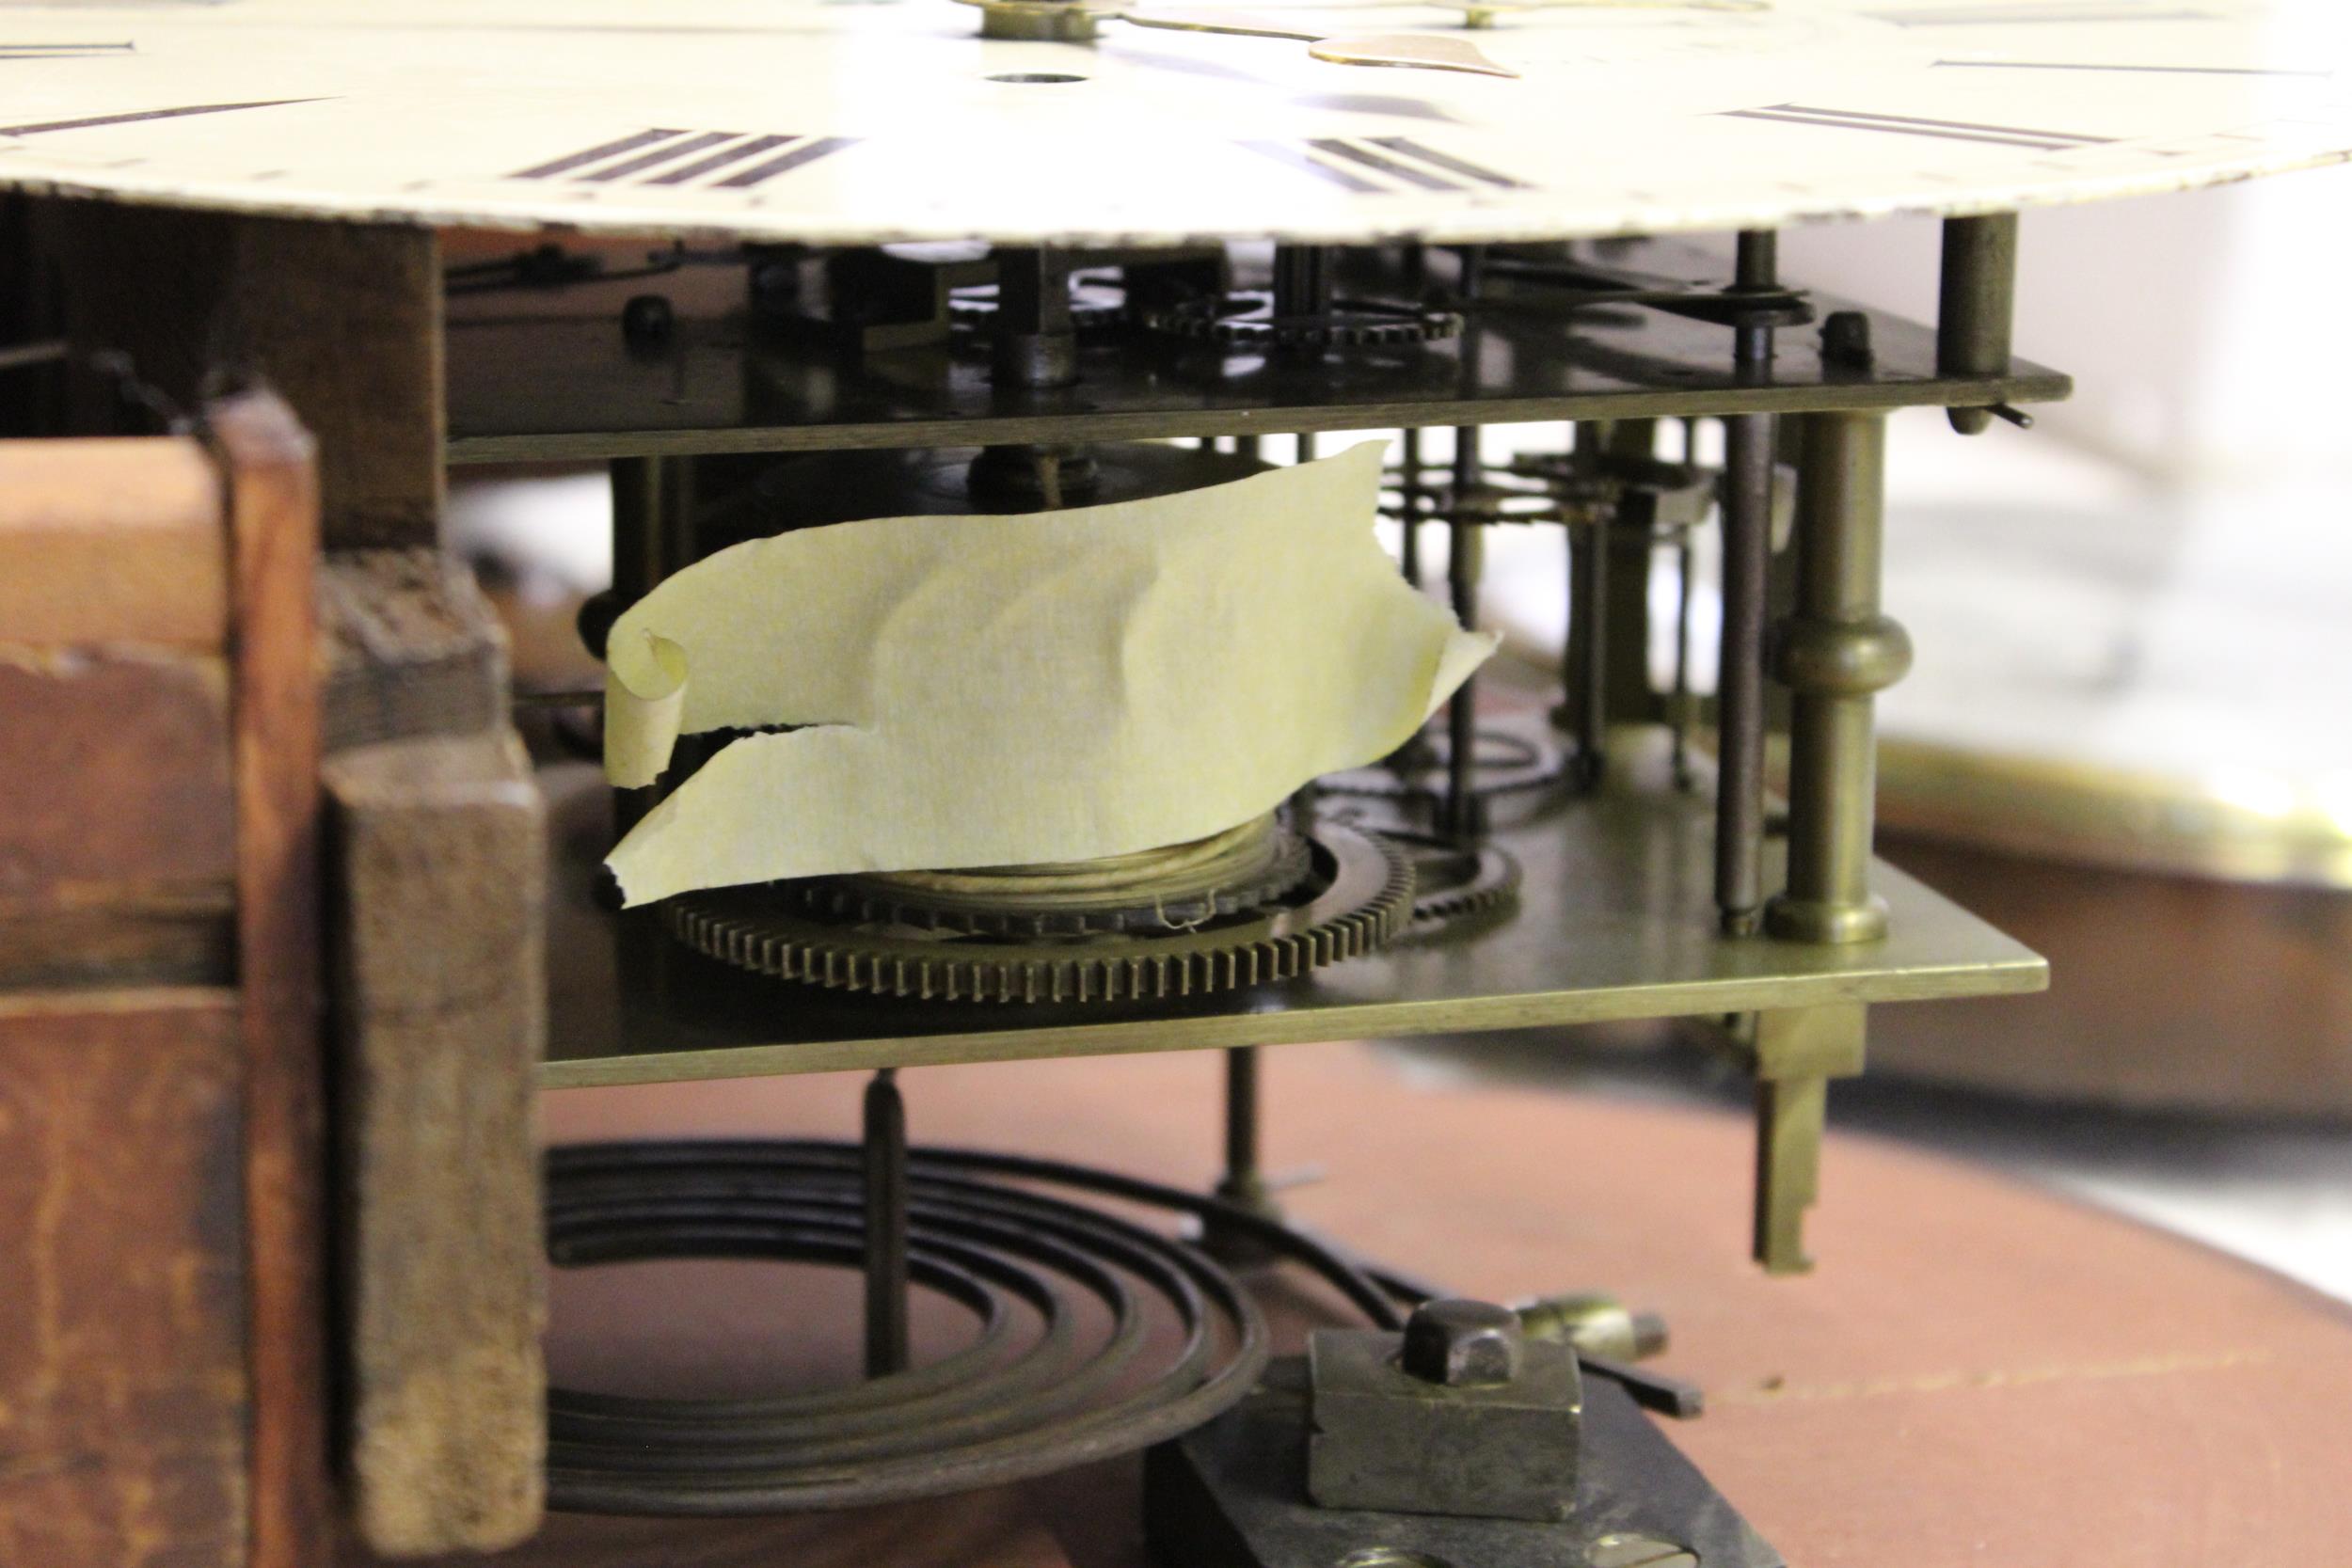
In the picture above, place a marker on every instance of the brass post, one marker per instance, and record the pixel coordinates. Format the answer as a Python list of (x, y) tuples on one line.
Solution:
[(1835, 653), (1976, 304), (1242, 1184)]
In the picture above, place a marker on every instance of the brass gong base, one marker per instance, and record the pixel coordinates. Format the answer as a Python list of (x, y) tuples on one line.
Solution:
[(1234, 1495)]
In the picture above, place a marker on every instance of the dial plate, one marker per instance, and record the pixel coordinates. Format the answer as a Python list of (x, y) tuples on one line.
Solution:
[(862, 122)]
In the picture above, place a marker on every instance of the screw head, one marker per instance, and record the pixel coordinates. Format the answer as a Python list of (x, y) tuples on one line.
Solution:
[(1845, 339), (1463, 1344), (647, 319)]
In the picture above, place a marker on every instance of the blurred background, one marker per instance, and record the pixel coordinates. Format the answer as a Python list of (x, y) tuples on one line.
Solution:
[(2127, 738)]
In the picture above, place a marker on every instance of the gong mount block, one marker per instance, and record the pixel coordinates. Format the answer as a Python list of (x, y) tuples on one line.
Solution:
[(1234, 1495)]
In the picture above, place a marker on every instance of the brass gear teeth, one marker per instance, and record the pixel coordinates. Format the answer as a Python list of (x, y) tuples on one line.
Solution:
[(1366, 902), (1494, 885), (1224, 321), (1454, 882)]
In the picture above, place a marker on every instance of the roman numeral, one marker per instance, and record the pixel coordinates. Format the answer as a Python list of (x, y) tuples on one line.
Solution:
[(42, 128), (653, 158), (1384, 166), (1910, 125), (589, 155), (751, 147), (808, 153)]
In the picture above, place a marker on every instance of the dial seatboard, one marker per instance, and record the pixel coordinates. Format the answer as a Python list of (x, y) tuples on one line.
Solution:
[(857, 121)]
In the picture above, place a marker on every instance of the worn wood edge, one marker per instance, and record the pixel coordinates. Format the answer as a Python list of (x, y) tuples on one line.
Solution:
[(271, 488), (112, 541), (439, 845), (410, 648)]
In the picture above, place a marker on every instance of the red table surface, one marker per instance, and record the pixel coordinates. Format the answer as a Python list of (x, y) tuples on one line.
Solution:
[(1978, 1374)]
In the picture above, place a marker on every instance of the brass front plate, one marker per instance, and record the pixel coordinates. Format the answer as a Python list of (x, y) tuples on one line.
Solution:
[(557, 382), (1617, 920)]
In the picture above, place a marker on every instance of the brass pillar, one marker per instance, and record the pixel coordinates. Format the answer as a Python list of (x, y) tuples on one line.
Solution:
[(1835, 654), (1976, 305)]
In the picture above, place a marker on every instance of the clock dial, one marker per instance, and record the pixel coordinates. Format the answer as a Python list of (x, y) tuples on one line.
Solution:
[(839, 121)]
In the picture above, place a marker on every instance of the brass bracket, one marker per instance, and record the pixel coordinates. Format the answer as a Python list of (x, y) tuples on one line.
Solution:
[(1794, 1052)]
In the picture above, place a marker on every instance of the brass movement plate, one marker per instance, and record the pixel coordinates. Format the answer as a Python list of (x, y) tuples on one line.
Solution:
[(547, 377), (1617, 920)]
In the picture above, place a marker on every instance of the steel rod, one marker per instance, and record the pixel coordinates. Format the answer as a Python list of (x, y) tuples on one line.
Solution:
[(1244, 1185), (1464, 547), (1465, 563), (1242, 1176), (1302, 280), (1408, 549), (641, 488), (1592, 605), (1747, 526), (885, 1156), (1682, 702), (1037, 341)]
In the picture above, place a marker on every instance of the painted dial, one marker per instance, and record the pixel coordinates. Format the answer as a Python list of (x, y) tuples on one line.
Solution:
[(839, 121)]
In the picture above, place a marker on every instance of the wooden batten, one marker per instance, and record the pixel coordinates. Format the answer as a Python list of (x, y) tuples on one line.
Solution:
[(161, 1155), (273, 502), (187, 627), (440, 846)]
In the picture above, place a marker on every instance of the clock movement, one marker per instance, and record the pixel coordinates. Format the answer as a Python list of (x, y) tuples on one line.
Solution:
[(984, 390)]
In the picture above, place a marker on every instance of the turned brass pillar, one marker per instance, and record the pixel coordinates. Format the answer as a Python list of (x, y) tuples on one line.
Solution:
[(1835, 653)]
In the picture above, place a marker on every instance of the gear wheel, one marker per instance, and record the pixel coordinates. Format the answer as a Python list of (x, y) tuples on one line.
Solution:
[(1247, 321), (1231, 875), (1356, 897), (1454, 882)]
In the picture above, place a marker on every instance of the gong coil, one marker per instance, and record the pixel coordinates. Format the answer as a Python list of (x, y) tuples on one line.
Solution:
[(1036, 1390), (1513, 761)]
